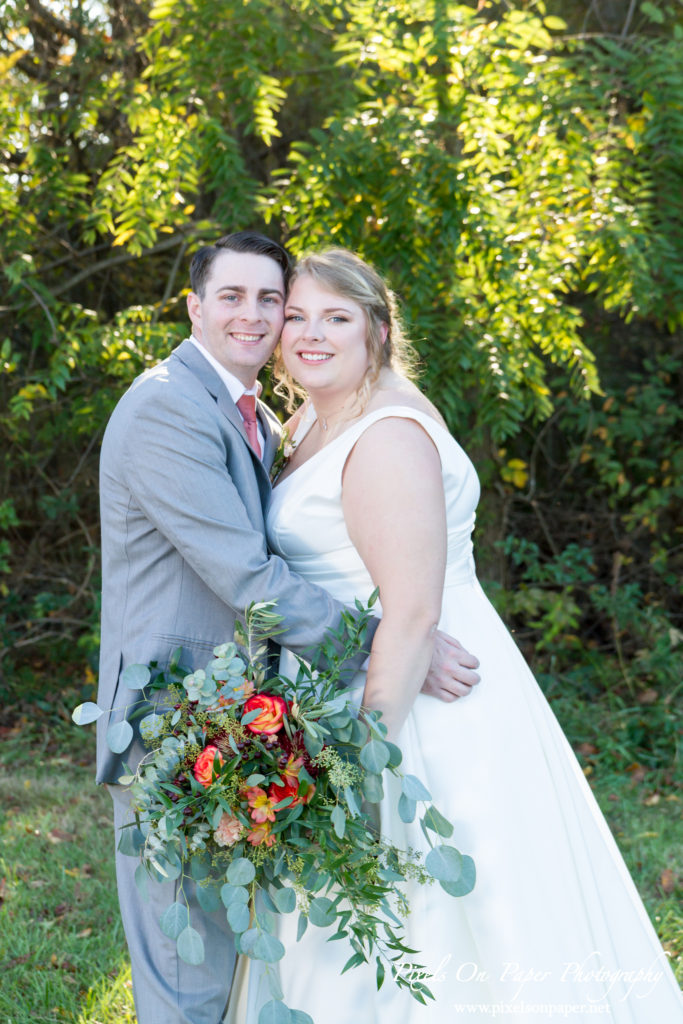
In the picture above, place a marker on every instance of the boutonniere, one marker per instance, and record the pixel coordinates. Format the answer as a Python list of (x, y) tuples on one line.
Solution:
[(282, 455)]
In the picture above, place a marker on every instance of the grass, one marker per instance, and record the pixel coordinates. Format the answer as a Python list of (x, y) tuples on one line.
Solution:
[(62, 952)]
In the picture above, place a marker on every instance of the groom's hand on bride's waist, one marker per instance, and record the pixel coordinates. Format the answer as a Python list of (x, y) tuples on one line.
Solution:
[(452, 671)]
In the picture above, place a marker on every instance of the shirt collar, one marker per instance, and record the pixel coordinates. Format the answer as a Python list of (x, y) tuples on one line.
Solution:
[(235, 387)]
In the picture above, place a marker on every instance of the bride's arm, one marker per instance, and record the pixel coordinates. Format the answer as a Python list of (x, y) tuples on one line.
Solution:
[(395, 513)]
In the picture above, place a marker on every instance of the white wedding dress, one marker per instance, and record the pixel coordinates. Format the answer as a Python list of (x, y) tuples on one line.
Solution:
[(554, 928)]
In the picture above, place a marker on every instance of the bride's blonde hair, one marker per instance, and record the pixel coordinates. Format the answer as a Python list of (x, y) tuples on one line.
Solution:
[(342, 272)]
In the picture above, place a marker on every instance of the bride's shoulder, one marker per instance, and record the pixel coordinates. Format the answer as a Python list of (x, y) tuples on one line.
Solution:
[(394, 390)]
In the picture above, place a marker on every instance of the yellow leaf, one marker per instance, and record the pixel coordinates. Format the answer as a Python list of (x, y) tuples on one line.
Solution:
[(123, 237), (555, 24)]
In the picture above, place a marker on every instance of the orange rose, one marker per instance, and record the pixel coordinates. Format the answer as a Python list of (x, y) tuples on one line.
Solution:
[(204, 765), (273, 710)]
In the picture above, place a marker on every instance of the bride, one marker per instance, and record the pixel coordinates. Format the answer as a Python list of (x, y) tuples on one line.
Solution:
[(377, 494)]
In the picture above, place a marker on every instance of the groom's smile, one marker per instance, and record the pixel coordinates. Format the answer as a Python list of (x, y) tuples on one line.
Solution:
[(238, 318)]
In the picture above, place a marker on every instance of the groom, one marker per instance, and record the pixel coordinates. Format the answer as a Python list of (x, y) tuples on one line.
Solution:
[(184, 484)]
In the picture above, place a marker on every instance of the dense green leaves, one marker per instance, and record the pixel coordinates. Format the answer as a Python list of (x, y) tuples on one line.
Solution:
[(518, 182)]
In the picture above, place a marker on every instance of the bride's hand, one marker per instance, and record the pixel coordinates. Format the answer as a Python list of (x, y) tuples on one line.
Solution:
[(451, 673)]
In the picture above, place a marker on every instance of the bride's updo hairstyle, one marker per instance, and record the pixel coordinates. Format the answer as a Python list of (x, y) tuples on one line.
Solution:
[(343, 273)]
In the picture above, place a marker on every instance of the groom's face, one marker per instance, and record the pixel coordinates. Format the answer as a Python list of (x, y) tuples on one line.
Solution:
[(239, 317)]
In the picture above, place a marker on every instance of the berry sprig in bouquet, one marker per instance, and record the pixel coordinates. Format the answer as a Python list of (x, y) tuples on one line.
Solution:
[(260, 789)]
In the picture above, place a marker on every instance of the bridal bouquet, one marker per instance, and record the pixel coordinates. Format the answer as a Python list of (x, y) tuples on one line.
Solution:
[(258, 788)]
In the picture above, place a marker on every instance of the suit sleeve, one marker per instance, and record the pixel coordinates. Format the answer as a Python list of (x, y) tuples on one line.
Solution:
[(175, 459)]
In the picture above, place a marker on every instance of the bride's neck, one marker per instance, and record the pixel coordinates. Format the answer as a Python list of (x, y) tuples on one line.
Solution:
[(334, 410)]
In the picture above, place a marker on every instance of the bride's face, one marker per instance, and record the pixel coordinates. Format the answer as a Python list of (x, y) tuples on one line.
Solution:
[(324, 339)]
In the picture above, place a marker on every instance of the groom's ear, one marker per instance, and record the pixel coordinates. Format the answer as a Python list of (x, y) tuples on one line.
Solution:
[(194, 307)]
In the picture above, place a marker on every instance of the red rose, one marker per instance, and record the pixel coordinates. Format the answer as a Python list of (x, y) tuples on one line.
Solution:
[(273, 709), (289, 788), (203, 766), (299, 792)]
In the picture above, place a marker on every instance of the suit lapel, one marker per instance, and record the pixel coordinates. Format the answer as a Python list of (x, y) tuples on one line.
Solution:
[(206, 375), (272, 432)]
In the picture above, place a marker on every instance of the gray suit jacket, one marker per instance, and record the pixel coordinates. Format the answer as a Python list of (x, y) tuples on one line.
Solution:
[(184, 553)]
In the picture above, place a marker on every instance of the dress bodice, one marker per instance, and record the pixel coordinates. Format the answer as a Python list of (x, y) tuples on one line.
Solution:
[(305, 520)]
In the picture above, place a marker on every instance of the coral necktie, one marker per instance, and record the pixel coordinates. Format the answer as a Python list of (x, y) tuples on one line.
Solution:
[(247, 407)]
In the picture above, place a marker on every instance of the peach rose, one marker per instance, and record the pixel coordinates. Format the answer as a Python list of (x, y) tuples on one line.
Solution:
[(229, 831), (203, 766), (273, 710)]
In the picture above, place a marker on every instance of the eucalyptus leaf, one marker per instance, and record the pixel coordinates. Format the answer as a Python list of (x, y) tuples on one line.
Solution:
[(247, 940), (352, 801), (131, 841), (119, 736), (142, 882), (373, 790), (444, 863), (208, 898), (241, 872), (190, 947), (406, 809), (343, 733), (200, 867), (359, 733), (321, 912), (313, 743), (338, 703), (302, 925), (135, 677), (86, 713), (250, 716), (466, 882), (267, 901), (170, 866), (338, 820), (265, 918), (239, 917), (375, 756), (395, 754), (301, 1017), (435, 821), (284, 899), (234, 894), (275, 1012), (414, 789), (174, 920), (268, 948)]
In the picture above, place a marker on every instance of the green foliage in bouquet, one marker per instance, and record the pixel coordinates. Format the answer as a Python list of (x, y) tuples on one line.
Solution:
[(261, 790)]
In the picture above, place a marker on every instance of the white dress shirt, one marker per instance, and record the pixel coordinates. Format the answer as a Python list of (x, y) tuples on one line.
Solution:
[(235, 387)]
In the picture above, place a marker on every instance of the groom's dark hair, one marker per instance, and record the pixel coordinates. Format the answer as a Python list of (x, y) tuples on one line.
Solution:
[(239, 241)]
